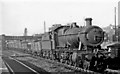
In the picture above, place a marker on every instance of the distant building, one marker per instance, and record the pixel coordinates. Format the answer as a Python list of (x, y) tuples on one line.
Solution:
[(109, 30)]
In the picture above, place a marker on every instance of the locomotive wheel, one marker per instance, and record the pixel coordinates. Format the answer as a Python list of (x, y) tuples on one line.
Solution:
[(86, 65), (70, 62), (66, 61), (50, 55), (74, 64), (47, 54), (61, 60)]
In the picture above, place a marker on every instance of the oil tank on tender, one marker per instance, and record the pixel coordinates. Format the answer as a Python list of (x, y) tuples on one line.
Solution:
[(88, 35)]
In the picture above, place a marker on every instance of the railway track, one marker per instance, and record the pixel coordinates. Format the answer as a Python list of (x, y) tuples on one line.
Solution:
[(23, 56), (72, 68), (12, 64), (15, 66)]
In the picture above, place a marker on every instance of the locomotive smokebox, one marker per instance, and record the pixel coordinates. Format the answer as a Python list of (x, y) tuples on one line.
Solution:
[(88, 22)]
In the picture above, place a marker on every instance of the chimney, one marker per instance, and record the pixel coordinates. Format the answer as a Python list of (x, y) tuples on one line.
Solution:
[(25, 32), (88, 22)]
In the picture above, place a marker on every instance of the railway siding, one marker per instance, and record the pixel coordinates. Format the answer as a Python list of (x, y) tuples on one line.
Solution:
[(50, 67), (39, 62), (46, 64)]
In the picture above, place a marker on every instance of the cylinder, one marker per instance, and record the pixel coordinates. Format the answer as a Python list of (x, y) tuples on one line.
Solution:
[(88, 22)]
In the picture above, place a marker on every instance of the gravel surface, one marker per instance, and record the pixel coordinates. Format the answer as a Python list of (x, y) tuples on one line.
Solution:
[(46, 65), (50, 67)]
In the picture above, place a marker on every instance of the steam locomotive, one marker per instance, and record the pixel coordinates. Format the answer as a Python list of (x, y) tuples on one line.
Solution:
[(72, 44), (79, 46)]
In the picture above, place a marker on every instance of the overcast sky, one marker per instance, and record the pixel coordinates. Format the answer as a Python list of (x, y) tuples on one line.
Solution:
[(16, 15)]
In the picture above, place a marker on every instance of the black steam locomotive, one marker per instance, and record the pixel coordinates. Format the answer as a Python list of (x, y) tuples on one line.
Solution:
[(72, 44), (79, 46)]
